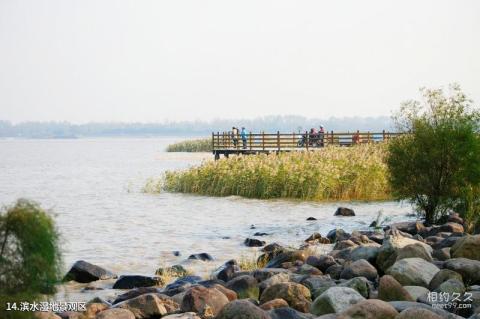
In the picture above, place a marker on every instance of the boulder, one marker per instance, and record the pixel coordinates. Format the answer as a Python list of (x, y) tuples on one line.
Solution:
[(455, 218), (415, 313), (135, 293), (135, 281), (287, 256), (265, 273), (389, 250), (315, 282), (317, 238), (414, 251), (321, 262), (207, 302), (367, 252), (230, 294), (417, 292), (185, 315), (334, 271), (226, 271), (174, 271), (401, 306), (359, 268), (252, 242), (337, 235), (243, 309), (390, 289), (275, 279), (452, 286), (85, 272), (360, 284), (467, 247), (245, 287), (451, 227), (411, 228), (115, 313), (370, 309), (335, 300), (442, 254), (288, 313), (447, 242), (149, 305), (344, 211), (201, 256), (442, 276), (344, 244), (413, 271), (296, 295), (274, 304), (468, 268)]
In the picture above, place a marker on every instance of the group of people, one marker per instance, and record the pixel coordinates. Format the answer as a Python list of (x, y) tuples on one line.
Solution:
[(313, 137), (236, 134)]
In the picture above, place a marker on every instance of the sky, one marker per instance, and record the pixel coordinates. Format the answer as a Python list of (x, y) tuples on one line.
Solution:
[(152, 61)]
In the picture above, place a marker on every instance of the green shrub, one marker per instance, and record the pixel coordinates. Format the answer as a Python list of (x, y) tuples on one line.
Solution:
[(199, 145), (439, 161), (30, 261)]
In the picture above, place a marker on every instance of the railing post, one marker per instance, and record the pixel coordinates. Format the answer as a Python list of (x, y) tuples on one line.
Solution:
[(368, 137), (263, 140), (307, 139), (383, 135), (278, 141), (333, 142), (250, 140), (213, 141), (218, 139)]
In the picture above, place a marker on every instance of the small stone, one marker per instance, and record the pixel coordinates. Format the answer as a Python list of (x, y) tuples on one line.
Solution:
[(343, 211)]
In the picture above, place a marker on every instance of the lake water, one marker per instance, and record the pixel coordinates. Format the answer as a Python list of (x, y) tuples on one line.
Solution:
[(94, 186)]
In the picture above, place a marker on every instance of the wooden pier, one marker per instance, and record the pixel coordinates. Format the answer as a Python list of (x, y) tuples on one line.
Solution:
[(225, 143)]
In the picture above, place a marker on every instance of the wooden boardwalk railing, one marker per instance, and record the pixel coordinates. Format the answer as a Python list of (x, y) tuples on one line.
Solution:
[(226, 143)]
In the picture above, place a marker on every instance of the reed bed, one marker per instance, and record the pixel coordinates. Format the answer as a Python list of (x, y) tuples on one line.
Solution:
[(333, 173), (198, 145)]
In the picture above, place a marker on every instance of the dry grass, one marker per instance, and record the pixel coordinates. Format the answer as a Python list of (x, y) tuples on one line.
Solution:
[(333, 173), (199, 145)]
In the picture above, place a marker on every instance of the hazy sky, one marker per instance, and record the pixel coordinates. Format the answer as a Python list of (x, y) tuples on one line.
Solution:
[(155, 60)]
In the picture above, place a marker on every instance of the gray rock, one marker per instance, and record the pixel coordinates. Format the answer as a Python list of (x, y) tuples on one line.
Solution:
[(85, 272), (115, 313), (335, 300), (359, 268), (149, 305), (243, 309), (468, 268), (402, 305), (367, 252), (388, 252), (442, 276), (288, 313), (185, 315), (244, 286), (135, 281), (417, 291), (360, 284), (344, 211), (413, 272)]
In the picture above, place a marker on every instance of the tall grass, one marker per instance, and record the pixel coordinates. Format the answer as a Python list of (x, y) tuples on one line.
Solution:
[(333, 173), (199, 145)]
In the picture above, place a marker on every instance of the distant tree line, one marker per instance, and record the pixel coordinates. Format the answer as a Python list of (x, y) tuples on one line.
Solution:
[(289, 123)]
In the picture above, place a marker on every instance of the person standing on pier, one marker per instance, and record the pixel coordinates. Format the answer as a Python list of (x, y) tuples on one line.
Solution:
[(235, 136), (321, 136), (243, 134)]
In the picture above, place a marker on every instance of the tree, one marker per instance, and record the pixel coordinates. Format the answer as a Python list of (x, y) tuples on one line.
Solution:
[(437, 161), (29, 255)]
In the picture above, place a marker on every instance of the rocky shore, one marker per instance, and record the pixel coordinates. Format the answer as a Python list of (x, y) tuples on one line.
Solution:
[(405, 270)]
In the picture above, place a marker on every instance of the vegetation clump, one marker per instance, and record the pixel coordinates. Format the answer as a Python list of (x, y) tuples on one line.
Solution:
[(198, 145), (437, 165), (30, 261), (333, 173)]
